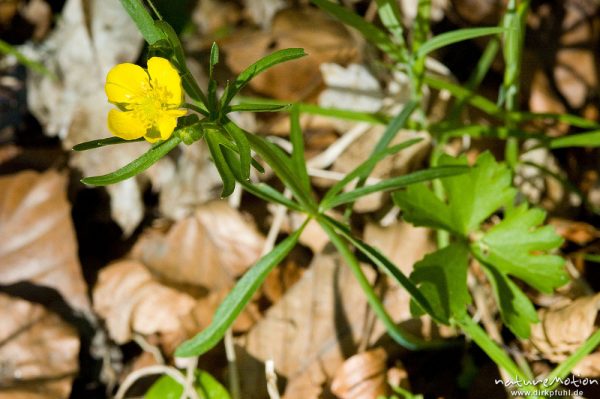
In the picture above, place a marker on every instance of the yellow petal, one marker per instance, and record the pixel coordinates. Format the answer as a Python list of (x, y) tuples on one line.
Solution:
[(125, 125), (125, 83), (165, 79), (166, 124)]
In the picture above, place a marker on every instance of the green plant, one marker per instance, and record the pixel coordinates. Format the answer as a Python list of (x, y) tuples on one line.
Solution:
[(458, 205)]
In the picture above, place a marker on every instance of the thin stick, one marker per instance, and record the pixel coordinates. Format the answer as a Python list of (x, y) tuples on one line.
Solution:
[(151, 370), (271, 379), (234, 377)]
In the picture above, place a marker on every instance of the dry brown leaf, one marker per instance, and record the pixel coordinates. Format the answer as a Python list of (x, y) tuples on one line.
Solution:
[(37, 239), (578, 232), (131, 300), (38, 352), (563, 329), (314, 327), (91, 38), (209, 249), (324, 39), (363, 376), (402, 243)]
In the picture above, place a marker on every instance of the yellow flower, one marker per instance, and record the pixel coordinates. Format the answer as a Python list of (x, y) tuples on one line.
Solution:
[(148, 101)]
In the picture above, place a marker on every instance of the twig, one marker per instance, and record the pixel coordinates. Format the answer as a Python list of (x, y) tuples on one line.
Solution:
[(150, 370), (190, 368), (234, 378), (271, 379), (327, 157), (148, 347)]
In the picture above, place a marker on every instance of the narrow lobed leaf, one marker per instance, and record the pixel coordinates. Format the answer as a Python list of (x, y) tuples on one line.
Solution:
[(237, 299), (90, 145), (136, 167)]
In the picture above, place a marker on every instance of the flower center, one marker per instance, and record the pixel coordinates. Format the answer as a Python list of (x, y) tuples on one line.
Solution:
[(151, 105)]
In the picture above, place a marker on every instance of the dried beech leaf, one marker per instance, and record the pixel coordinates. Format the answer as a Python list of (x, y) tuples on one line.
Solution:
[(37, 240), (312, 329), (38, 352), (402, 243), (131, 300), (325, 39), (563, 329), (209, 249), (363, 376), (91, 38)]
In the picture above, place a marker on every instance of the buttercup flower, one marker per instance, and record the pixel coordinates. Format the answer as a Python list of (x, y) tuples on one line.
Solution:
[(148, 101)]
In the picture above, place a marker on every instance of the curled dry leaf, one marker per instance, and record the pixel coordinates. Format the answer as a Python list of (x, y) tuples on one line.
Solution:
[(563, 329), (580, 233), (131, 300), (38, 352), (363, 376), (37, 239), (209, 249)]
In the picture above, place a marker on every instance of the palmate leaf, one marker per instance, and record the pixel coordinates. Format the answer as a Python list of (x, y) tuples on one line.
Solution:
[(472, 197), (517, 247), (205, 385), (442, 278)]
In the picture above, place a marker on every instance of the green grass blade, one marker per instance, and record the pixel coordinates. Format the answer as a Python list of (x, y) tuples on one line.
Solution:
[(297, 140), (143, 20), (259, 66), (283, 167), (369, 31), (243, 147), (35, 66), (390, 15), (90, 145), (136, 167), (448, 38), (589, 139), (221, 163), (237, 299), (363, 168), (249, 107), (397, 183), (269, 194), (385, 265)]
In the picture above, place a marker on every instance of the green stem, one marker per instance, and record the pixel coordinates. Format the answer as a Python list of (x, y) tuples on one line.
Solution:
[(483, 340), (562, 370), (404, 338)]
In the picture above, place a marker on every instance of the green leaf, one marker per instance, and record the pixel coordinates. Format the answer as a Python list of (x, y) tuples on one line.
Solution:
[(6, 48), (297, 140), (369, 31), (143, 20), (206, 386), (474, 196), (589, 139), (259, 66), (212, 83), (516, 310), (90, 145), (456, 36), (518, 247), (243, 147), (421, 207), (237, 299), (396, 183), (386, 265), (390, 15), (442, 278), (283, 167), (249, 107), (214, 145), (136, 167), (269, 194)]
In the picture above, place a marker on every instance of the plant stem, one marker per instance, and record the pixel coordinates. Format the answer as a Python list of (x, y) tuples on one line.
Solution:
[(404, 338), (482, 339)]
